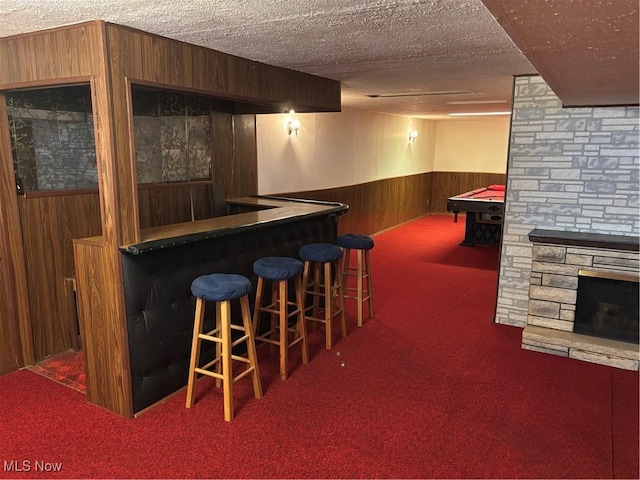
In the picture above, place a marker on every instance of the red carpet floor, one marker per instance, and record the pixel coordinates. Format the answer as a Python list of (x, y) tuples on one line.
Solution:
[(428, 388)]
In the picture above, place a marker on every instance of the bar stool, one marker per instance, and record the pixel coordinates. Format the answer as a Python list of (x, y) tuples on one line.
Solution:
[(326, 285), (222, 288), (279, 270), (362, 244)]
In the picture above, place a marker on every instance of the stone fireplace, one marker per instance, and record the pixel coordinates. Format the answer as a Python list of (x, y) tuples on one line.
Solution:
[(561, 261)]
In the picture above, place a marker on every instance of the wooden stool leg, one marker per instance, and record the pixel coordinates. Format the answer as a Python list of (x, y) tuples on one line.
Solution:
[(327, 305), (302, 324), (369, 289), (340, 294), (359, 277), (251, 346), (305, 278), (227, 374), (218, 368), (275, 298), (316, 290), (195, 349), (284, 343), (305, 282), (345, 271), (257, 306)]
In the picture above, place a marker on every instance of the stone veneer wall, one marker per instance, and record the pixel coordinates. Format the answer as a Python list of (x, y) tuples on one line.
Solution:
[(574, 169)]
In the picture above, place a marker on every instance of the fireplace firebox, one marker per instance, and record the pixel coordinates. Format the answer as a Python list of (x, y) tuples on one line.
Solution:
[(607, 305)]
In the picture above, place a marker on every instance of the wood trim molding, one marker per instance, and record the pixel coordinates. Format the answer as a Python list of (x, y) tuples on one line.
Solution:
[(55, 82), (132, 176)]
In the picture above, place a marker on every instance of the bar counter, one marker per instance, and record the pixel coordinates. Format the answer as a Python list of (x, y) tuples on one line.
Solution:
[(158, 271), (247, 213)]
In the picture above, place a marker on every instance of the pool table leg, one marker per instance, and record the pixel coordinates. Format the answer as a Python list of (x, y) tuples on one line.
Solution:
[(469, 228)]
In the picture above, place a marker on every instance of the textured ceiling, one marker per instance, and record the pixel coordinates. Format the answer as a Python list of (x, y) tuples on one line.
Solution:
[(375, 47), (586, 50)]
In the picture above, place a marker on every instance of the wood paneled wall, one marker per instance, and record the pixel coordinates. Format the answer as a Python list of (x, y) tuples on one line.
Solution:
[(234, 153), (377, 206), (15, 328), (49, 225), (165, 205), (245, 157), (10, 351), (106, 348), (449, 184)]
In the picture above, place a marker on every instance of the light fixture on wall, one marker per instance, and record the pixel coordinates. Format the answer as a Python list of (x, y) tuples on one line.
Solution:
[(292, 124), (413, 134)]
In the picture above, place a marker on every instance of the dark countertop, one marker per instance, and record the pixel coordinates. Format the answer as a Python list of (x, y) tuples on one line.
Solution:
[(269, 211)]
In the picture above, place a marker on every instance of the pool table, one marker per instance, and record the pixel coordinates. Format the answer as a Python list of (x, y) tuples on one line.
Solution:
[(484, 208)]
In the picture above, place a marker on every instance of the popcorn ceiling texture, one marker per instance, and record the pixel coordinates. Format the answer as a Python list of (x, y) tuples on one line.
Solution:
[(372, 46)]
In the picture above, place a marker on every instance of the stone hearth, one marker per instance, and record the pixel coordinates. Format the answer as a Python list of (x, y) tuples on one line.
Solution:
[(557, 257)]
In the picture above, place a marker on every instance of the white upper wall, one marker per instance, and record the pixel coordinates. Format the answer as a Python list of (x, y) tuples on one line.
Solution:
[(472, 145), (340, 149)]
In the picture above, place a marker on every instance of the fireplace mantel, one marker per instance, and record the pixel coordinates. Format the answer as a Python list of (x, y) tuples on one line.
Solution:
[(585, 239), (557, 258)]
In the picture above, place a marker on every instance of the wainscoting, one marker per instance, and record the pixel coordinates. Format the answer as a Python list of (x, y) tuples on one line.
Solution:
[(382, 204)]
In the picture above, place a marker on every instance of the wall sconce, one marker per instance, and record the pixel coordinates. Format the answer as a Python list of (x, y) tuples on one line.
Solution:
[(413, 134), (293, 124)]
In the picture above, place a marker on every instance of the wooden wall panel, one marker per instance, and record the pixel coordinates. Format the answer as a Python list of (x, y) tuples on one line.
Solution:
[(448, 184), (105, 341), (222, 149), (49, 225), (245, 157), (201, 195), (49, 55), (234, 152), (144, 56), (15, 306), (379, 205), (166, 205), (10, 351)]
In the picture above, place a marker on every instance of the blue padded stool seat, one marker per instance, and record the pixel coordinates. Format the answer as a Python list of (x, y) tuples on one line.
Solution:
[(320, 252), (277, 268), (220, 286), (355, 241)]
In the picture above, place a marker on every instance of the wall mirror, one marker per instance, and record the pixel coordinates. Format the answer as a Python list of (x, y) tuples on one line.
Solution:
[(172, 136), (52, 138)]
